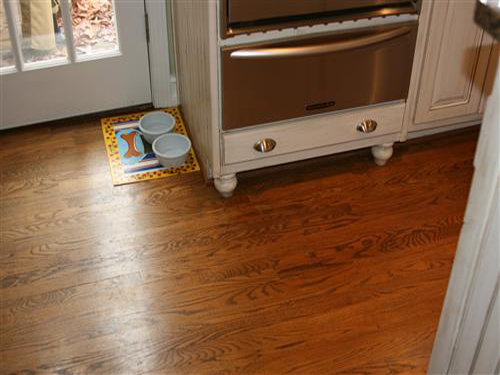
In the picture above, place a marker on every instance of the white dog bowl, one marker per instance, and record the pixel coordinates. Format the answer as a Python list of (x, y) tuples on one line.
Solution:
[(172, 149), (154, 124)]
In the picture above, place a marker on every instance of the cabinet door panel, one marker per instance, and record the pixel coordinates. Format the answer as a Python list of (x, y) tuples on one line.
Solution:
[(456, 59)]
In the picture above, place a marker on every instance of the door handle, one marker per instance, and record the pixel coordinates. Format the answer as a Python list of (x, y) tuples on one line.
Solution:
[(317, 49)]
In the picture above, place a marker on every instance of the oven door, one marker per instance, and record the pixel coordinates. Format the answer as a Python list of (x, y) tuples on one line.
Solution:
[(275, 81), (257, 10)]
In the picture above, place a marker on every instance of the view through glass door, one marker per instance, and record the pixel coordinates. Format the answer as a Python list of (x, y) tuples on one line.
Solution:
[(62, 58)]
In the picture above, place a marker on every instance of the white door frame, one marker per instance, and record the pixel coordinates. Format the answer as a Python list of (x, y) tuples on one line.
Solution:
[(161, 53), (467, 340)]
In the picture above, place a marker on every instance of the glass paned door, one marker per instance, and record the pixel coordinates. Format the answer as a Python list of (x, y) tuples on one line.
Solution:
[(33, 31), (6, 56), (62, 58), (94, 27)]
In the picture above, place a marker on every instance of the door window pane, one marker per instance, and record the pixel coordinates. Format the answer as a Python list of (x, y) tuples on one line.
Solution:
[(6, 55), (42, 31), (94, 26), (41, 35)]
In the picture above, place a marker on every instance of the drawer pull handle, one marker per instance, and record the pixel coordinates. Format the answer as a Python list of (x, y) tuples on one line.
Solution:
[(367, 126), (317, 49), (265, 145)]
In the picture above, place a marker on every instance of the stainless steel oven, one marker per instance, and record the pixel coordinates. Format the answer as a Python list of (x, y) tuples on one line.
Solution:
[(279, 80), (245, 16)]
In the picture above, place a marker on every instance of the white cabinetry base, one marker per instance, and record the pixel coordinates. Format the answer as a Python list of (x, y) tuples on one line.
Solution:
[(226, 184), (382, 153)]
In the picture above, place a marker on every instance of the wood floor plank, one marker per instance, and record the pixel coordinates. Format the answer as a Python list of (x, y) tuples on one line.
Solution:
[(233, 247), (328, 266)]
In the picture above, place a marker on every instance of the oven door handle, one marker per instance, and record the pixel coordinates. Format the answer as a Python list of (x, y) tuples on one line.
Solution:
[(317, 49)]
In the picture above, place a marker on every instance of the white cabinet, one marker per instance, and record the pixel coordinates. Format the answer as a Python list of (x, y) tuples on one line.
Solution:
[(453, 63), (451, 66)]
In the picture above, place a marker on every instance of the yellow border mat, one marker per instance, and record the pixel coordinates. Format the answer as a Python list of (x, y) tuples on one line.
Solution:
[(148, 167)]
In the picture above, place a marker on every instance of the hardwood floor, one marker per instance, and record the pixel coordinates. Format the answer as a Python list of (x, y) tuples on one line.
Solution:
[(330, 266)]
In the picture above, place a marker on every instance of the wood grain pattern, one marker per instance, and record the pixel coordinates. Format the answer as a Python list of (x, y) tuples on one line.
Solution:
[(195, 39), (329, 266)]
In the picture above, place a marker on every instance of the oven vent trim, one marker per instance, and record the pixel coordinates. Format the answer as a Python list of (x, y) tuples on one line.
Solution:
[(231, 30)]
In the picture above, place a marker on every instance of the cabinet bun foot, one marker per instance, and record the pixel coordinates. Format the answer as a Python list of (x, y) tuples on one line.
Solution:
[(382, 153), (225, 185)]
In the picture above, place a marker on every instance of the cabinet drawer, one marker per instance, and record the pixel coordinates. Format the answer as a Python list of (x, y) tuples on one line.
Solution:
[(311, 132), (275, 81)]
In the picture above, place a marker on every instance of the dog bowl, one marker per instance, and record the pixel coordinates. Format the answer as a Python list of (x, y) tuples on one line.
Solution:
[(172, 149), (154, 124)]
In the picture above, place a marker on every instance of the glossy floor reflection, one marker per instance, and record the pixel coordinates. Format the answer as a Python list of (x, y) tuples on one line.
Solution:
[(326, 266)]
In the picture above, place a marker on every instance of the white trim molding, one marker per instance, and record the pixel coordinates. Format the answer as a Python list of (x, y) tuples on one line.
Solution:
[(467, 340), (163, 77)]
